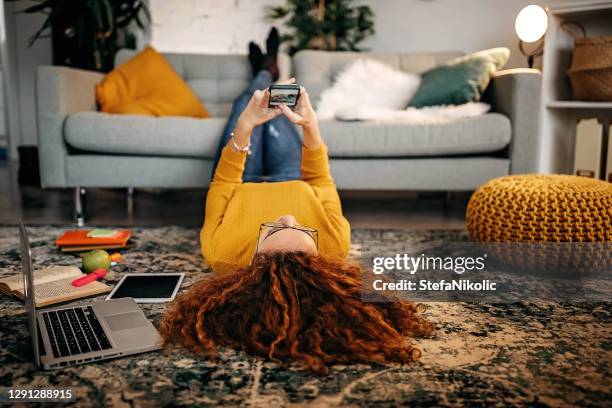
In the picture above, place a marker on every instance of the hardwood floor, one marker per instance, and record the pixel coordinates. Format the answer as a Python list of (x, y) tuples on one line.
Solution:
[(398, 210)]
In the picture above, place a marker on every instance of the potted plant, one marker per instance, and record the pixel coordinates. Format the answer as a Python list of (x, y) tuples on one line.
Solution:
[(88, 33), (333, 25)]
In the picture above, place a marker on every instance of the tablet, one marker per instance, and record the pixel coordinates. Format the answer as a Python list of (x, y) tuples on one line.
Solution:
[(148, 287)]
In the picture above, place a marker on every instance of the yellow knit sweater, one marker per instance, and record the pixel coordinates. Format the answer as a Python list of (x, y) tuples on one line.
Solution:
[(235, 210)]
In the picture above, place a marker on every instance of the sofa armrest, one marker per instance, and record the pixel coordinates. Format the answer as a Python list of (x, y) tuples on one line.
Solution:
[(516, 94), (60, 91)]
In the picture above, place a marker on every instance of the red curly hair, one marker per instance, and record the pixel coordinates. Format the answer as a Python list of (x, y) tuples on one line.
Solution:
[(294, 306)]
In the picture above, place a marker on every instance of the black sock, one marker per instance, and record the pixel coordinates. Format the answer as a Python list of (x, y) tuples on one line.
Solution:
[(256, 58), (270, 62), (272, 42)]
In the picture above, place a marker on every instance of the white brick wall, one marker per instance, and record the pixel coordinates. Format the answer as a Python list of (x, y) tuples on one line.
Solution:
[(226, 26), (211, 26)]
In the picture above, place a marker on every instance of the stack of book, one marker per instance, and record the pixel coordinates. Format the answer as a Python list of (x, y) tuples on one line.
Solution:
[(88, 240)]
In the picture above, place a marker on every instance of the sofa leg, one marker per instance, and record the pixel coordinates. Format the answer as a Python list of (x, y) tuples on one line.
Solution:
[(448, 199), (79, 208), (130, 202)]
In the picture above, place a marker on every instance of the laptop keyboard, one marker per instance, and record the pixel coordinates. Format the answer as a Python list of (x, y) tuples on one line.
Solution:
[(75, 331)]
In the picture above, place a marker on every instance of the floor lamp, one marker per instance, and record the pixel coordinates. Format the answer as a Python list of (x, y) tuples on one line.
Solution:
[(530, 26)]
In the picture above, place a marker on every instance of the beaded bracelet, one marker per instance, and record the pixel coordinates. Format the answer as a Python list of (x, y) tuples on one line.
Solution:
[(246, 148)]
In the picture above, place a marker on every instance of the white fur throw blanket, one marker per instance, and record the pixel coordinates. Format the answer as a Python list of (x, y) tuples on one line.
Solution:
[(371, 90)]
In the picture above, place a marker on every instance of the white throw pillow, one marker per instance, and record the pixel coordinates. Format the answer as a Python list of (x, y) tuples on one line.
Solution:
[(367, 83)]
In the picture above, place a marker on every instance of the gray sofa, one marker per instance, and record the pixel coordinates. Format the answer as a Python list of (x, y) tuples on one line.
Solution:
[(82, 148)]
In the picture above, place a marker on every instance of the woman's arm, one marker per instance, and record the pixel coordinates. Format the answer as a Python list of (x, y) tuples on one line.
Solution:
[(315, 165), (256, 113)]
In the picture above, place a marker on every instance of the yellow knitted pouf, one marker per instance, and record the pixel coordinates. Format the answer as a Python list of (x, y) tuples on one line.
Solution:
[(534, 208)]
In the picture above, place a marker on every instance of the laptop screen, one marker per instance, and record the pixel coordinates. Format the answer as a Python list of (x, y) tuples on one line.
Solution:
[(28, 289)]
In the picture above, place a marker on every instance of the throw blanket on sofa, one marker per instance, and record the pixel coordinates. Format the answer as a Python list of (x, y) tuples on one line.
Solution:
[(370, 90), (417, 116)]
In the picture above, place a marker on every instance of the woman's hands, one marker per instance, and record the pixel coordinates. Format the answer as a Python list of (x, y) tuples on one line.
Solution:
[(257, 113)]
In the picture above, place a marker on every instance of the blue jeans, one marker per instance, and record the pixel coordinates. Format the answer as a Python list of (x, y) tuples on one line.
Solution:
[(276, 146)]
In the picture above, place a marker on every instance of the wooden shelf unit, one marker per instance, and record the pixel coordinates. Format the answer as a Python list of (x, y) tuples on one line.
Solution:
[(559, 111)]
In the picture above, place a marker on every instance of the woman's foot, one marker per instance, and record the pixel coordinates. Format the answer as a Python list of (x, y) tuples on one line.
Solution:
[(270, 61), (272, 42), (256, 58)]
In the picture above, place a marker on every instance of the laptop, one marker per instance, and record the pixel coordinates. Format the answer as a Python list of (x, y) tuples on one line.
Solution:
[(70, 335)]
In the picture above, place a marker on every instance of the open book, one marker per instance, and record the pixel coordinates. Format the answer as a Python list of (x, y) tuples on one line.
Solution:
[(53, 285)]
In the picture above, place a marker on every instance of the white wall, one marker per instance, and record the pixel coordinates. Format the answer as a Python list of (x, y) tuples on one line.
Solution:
[(223, 26), (208, 26), (442, 25)]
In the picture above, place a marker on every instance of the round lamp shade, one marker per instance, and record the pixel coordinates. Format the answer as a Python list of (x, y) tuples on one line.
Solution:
[(531, 23)]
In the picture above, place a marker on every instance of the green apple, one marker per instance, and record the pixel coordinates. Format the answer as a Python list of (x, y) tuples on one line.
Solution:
[(96, 259)]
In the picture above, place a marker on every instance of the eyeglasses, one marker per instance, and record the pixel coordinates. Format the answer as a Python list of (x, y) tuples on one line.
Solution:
[(274, 227)]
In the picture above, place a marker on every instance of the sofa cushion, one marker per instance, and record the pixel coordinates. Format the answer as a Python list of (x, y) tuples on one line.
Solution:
[(461, 80), (188, 137), (148, 85), (481, 134), (144, 135)]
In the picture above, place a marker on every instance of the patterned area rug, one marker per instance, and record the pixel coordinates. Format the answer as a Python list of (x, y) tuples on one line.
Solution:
[(536, 354)]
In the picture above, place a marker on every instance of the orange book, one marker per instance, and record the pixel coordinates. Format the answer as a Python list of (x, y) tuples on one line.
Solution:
[(80, 238), (87, 248)]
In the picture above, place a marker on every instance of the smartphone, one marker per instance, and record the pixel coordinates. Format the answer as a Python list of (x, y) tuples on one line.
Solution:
[(284, 94)]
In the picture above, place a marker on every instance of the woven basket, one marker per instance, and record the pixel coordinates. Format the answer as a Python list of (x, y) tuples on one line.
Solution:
[(591, 70)]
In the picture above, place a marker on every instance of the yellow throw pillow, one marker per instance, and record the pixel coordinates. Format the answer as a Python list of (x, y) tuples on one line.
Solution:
[(148, 85)]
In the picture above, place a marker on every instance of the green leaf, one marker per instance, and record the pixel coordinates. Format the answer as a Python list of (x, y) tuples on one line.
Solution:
[(274, 13), (146, 11), (40, 32), (287, 37), (36, 8), (107, 15)]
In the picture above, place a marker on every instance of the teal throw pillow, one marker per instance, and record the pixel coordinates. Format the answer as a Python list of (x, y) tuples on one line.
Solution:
[(461, 80)]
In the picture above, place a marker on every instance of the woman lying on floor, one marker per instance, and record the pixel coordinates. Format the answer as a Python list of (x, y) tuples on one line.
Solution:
[(275, 234)]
